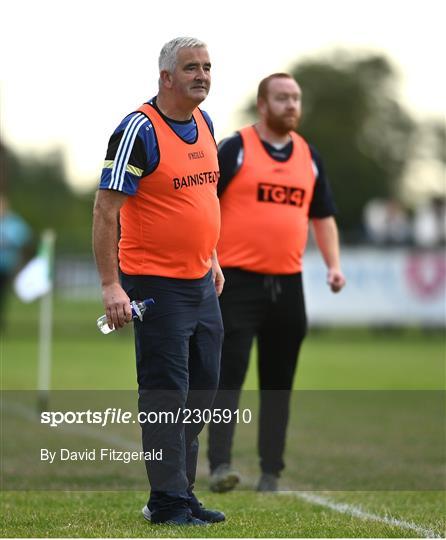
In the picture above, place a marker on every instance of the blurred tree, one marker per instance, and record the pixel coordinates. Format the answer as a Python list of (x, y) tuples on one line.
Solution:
[(37, 190), (438, 130), (352, 115)]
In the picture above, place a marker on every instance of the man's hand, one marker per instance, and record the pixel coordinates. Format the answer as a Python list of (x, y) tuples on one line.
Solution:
[(117, 305), (335, 279), (217, 274), (327, 239)]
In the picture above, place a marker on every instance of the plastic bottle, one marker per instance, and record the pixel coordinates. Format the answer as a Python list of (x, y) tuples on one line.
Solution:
[(139, 307)]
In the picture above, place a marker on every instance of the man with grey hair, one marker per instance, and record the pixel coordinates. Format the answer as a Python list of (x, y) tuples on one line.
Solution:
[(168, 55), (159, 185)]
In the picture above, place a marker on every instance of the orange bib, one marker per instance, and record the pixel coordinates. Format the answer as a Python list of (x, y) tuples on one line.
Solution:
[(264, 209), (171, 225)]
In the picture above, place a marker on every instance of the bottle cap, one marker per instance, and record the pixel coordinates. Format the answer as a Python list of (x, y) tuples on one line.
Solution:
[(148, 302)]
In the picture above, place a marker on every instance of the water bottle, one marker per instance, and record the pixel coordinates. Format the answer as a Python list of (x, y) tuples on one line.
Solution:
[(138, 309)]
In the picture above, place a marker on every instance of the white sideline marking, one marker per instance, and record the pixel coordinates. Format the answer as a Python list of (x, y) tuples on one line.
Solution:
[(342, 508), (358, 512)]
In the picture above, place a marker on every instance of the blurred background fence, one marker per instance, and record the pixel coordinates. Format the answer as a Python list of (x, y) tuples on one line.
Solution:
[(393, 286)]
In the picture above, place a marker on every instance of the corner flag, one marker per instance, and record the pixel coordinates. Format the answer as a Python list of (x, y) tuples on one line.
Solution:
[(35, 279)]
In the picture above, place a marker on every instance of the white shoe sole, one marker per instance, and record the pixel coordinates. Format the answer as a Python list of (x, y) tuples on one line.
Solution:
[(146, 513)]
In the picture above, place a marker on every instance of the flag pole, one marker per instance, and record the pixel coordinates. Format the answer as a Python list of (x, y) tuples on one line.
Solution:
[(46, 324)]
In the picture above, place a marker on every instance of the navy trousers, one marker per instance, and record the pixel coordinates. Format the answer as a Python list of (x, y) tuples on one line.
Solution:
[(178, 348)]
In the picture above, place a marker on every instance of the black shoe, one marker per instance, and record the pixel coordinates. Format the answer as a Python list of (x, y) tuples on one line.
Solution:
[(183, 519), (210, 516), (186, 520), (223, 479), (204, 514), (267, 482)]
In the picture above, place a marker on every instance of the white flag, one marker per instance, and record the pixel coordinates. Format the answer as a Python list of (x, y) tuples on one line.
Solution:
[(35, 279)]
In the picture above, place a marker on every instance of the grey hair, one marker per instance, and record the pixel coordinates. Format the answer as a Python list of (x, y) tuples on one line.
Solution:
[(168, 55)]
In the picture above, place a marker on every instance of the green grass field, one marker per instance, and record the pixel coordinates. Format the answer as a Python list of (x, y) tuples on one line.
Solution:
[(331, 360)]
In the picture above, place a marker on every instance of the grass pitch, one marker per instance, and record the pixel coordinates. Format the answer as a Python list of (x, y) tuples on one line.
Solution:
[(330, 360), (249, 515)]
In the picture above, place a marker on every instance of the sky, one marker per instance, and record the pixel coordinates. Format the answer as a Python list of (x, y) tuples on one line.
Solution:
[(71, 70)]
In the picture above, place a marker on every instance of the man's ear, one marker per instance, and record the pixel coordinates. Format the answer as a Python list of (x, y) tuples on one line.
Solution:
[(166, 78), (261, 105)]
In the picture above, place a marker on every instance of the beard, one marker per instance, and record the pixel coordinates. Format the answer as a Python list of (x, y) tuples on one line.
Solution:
[(281, 124)]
